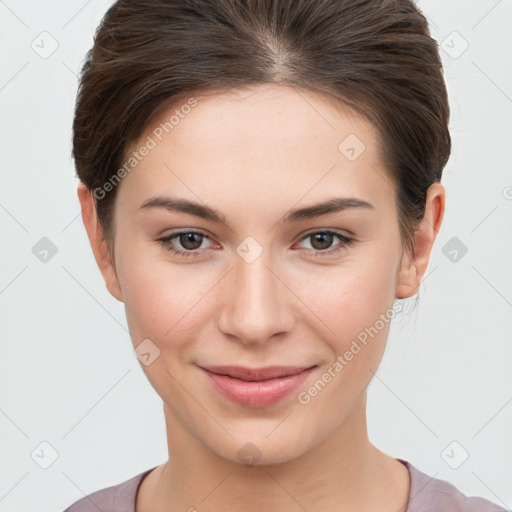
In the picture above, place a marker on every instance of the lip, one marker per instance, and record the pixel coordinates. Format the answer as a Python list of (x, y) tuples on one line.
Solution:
[(258, 387)]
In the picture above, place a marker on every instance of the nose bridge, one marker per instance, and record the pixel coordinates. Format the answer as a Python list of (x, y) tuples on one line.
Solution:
[(255, 307)]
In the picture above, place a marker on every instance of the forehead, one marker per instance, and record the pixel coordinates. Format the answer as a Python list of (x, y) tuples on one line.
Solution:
[(269, 141), (277, 114)]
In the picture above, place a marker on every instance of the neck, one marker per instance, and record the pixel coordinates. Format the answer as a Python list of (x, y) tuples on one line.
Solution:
[(343, 472)]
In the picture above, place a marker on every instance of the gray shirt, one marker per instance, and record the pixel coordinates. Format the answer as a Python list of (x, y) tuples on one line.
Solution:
[(426, 494)]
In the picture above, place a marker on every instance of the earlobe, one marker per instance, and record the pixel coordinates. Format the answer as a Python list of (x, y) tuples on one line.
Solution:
[(97, 241), (407, 283), (413, 268)]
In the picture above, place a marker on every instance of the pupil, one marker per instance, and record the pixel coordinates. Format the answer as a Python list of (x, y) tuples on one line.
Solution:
[(189, 240), (325, 240)]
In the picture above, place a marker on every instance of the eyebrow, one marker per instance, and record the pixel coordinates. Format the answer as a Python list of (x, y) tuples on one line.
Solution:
[(177, 205)]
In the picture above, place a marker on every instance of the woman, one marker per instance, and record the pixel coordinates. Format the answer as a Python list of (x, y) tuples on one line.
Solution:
[(260, 182)]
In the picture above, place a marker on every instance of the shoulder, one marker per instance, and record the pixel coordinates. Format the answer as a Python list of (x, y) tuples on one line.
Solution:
[(428, 494), (116, 498)]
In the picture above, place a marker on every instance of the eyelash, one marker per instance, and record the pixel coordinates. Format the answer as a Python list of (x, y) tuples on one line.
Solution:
[(345, 242)]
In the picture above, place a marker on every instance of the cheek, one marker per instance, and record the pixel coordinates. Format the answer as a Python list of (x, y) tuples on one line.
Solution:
[(162, 301), (358, 312), (163, 304), (350, 298), (358, 319)]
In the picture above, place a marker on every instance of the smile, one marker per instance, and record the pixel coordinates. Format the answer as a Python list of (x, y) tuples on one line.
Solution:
[(256, 387)]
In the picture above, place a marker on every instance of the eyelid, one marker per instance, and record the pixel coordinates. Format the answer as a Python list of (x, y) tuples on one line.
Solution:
[(346, 241), (344, 234), (175, 234), (182, 231)]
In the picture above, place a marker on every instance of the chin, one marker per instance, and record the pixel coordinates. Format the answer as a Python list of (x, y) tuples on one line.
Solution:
[(257, 448)]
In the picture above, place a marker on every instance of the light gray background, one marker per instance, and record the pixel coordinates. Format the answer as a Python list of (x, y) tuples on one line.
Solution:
[(68, 374)]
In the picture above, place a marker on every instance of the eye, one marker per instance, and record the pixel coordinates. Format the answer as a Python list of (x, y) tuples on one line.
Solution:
[(191, 241), (321, 242)]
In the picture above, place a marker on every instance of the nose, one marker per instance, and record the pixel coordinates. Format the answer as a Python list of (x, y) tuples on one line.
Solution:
[(257, 304)]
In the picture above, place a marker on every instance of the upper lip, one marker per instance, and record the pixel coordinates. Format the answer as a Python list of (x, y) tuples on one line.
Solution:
[(256, 374)]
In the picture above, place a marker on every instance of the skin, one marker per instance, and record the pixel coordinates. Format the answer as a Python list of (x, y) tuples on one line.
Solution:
[(254, 154)]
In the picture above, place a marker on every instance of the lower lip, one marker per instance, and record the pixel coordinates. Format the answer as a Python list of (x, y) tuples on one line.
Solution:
[(258, 393)]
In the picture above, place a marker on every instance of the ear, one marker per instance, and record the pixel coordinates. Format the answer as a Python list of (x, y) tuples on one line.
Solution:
[(97, 241), (412, 270)]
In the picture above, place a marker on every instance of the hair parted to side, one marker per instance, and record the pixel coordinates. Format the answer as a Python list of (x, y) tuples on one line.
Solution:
[(376, 56)]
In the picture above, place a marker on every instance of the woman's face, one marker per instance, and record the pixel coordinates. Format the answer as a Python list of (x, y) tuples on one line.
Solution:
[(268, 280)]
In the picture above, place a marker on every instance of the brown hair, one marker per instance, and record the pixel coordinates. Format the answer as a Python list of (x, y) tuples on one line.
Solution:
[(376, 56)]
